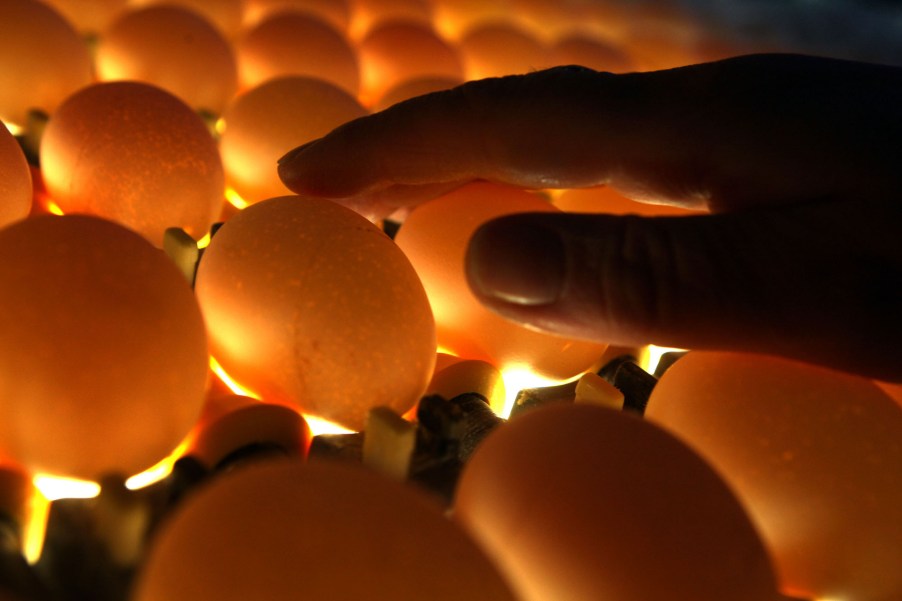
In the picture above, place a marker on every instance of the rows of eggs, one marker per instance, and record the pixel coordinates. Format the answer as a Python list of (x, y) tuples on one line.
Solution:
[(313, 308)]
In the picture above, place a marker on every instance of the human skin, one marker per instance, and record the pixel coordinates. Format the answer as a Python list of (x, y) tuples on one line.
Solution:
[(796, 157)]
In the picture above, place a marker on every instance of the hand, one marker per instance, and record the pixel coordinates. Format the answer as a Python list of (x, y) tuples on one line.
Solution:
[(798, 158)]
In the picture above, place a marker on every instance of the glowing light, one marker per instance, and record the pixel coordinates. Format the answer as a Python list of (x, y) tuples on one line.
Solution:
[(517, 377), (228, 381), (158, 472), (54, 208), (651, 356), (235, 199), (319, 426), (54, 487), (14, 129), (205, 241), (35, 527)]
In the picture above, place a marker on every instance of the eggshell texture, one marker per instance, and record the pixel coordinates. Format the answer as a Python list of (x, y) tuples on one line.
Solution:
[(135, 154), (290, 43), (435, 236), (397, 51), (266, 122), (577, 502), (103, 348), (309, 302), (42, 59), (174, 48), (815, 455), (316, 531), (15, 180), (369, 14)]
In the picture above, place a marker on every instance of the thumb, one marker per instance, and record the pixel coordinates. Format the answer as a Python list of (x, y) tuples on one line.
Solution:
[(812, 282)]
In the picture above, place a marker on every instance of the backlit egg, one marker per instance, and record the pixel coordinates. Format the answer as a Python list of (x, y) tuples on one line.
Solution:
[(434, 236), (89, 16), (397, 51), (174, 48), (576, 502), (15, 180), (372, 13), (264, 123), (500, 49), (227, 15), (815, 455), (414, 87), (317, 531), (103, 347), (604, 199), (336, 12), (454, 18), (308, 302), (135, 154), (291, 43), (38, 80)]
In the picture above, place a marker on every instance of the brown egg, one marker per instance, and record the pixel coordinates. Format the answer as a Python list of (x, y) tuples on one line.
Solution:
[(32, 79), (435, 237), (578, 502), (15, 180), (454, 18), (398, 51), (89, 16), (264, 123), (815, 456), (103, 348), (414, 87), (174, 48), (893, 389), (229, 423), (316, 531), (590, 51), (133, 153), (227, 15), (292, 43), (470, 376), (336, 12), (368, 14), (604, 199), (308, 302), (498, 49)]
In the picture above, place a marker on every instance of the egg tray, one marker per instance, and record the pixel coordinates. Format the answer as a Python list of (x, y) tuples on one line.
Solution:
[(93, 547)]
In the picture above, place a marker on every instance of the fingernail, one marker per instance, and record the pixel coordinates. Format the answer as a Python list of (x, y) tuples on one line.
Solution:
[(296, 151), (517, 262)]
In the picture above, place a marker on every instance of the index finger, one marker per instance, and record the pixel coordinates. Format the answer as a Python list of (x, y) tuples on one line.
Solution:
[(750, 130)]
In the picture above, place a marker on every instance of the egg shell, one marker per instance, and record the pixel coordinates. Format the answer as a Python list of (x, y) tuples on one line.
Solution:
[(604, 199), (414, 87), (226, 15), (336, 12), (266, 122), (316, 531), (577, 502), (42, 59), (89, 16), (369, 14), (308, 302), (454, 18), (135, 154), (103, 348), (814, 454), (290, 43), (174, 48), (397, 51), (230, 422), (434, 236), (499, 49), (15, 180)]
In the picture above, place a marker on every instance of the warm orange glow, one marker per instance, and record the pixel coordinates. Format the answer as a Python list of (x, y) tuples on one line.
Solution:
[(53, 208), (519, 376), (319, 426), (35, 527), (231, 383), (157, 472), (651, 355), (14, 129), (56, 487)]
